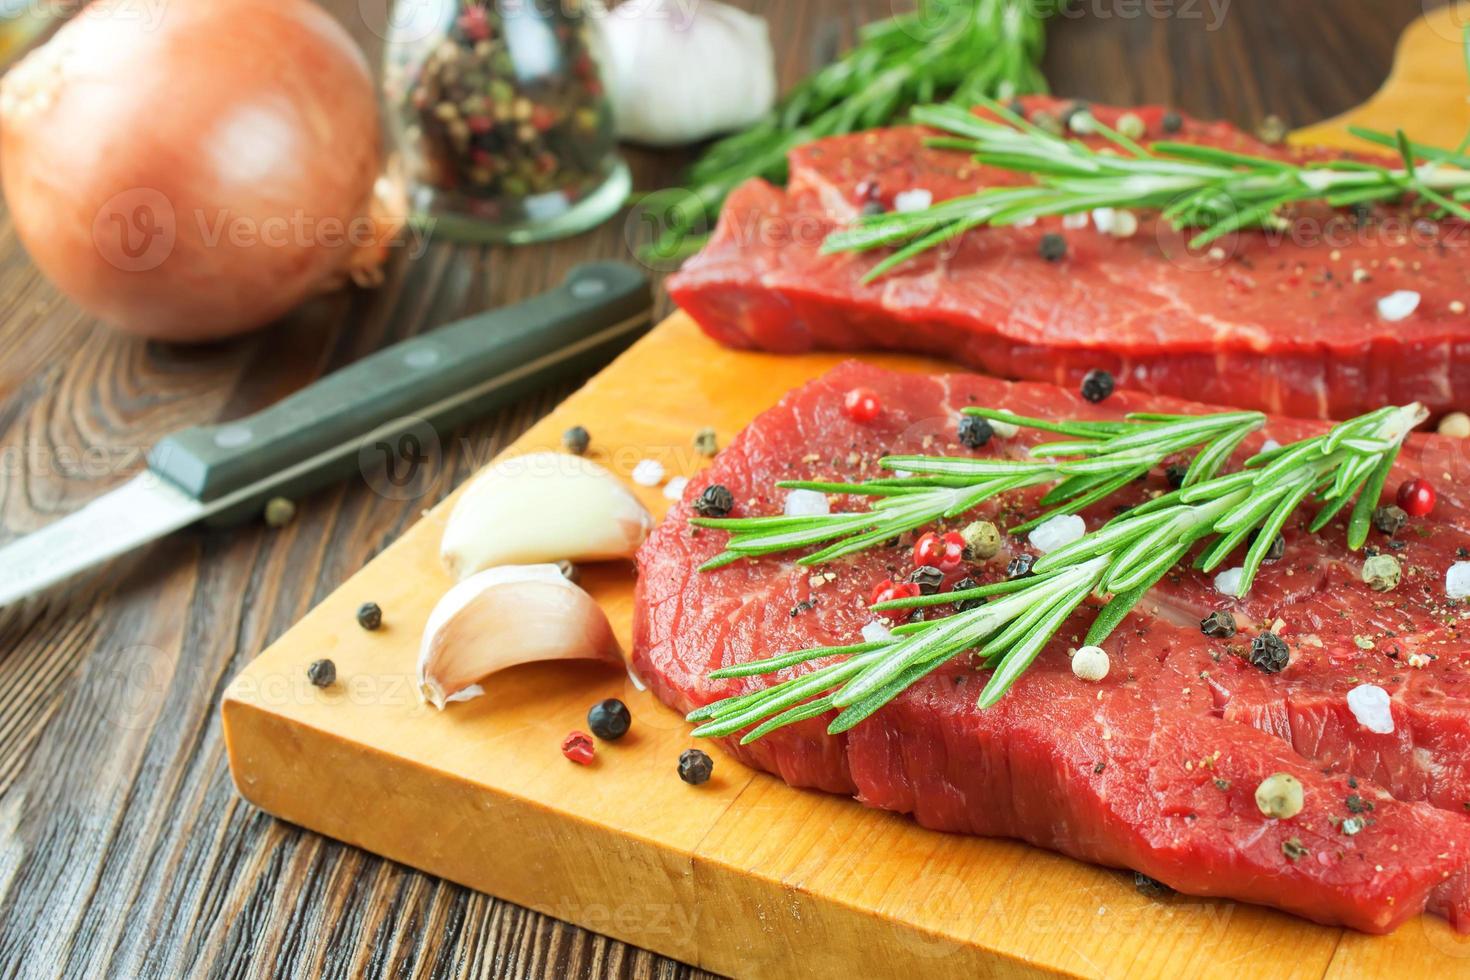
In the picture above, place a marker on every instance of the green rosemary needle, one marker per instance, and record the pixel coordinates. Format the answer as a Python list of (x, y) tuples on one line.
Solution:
[(1096, 460), (1215, 191), (1118, 563)]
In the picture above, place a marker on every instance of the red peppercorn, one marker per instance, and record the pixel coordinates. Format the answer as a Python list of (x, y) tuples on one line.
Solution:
[(579, 748), (888, 590), (475, 24), (944, 551), (1416, 497), (861, 405)]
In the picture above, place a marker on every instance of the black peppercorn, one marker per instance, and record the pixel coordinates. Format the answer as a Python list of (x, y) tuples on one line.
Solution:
[(576, 440), (716, 501), (1097, 385), (369, 616), (695, 767), (1172, 122), (928, 578), (322, 673), (974, 431), (1218, 625), (965, 605), (1020, 566), (1175, 473), (1277, 551), (1390, 520), (1269, 653), (609, 720), (1053, 247), (1150, 887), (1018, 107)]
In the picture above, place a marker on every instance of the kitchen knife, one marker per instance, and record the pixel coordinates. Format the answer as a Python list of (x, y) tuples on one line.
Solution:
[(224, 474)]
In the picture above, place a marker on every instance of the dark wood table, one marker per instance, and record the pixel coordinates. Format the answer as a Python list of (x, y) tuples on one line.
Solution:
[(123, 847)]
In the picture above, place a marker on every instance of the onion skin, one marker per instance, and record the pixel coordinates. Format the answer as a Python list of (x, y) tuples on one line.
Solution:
[(190, 170)]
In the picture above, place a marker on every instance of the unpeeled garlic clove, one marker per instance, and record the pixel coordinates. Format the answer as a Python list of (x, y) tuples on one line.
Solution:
[(505, 616), (540, 508)]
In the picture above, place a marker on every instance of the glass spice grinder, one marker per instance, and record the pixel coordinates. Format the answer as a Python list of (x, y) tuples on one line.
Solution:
[(498, 111)]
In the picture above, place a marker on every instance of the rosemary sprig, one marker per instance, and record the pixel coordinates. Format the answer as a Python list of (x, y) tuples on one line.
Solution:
[(946, 50), (1215, 191), (1096, 460), (1117, 563)]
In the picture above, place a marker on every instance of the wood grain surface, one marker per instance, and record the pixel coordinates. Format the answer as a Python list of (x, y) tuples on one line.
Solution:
[(124, 849)]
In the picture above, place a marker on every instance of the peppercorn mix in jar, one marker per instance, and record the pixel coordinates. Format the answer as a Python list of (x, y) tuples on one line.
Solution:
[(501, 120)]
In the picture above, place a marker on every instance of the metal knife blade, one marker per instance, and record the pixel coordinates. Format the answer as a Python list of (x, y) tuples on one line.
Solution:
[(144, 508), (226, 473)]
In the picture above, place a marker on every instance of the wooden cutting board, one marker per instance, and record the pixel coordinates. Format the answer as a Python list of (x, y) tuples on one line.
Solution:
[(744, 875)]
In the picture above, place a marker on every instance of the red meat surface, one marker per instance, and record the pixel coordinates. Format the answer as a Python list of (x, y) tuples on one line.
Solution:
[(1282, 321), (1156, 767)]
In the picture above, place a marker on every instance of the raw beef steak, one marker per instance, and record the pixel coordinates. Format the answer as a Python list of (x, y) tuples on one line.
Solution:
[(1156, 767), (1282, 321)]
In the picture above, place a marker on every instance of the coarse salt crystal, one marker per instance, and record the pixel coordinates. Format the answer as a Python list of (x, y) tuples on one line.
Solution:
[(1369, 703), (1125, 225), (1075, 221), (1398, 304), (915, 200), (1457, 580), (1228, 581), (1456, 306), (674, 489), (1026, 222), (1056, 532), (1418, 661), (1003, 430), (648, 473), (876, 632), (1104, 219), (806, 503), (1270, 446)]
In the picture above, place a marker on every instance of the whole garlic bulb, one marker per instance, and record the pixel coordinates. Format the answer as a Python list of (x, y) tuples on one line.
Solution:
[(677, 72)]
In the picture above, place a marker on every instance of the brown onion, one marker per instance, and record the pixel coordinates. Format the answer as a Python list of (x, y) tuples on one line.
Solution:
[(194, 169)]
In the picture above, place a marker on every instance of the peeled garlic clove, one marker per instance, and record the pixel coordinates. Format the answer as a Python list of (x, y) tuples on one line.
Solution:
[(506, 616), (542, 507)]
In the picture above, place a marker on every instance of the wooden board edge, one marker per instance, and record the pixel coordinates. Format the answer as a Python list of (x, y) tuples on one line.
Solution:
[(1414, 92), (700, 911)]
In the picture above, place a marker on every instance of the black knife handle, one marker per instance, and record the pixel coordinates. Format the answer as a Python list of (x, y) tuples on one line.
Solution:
[(443, 378)]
